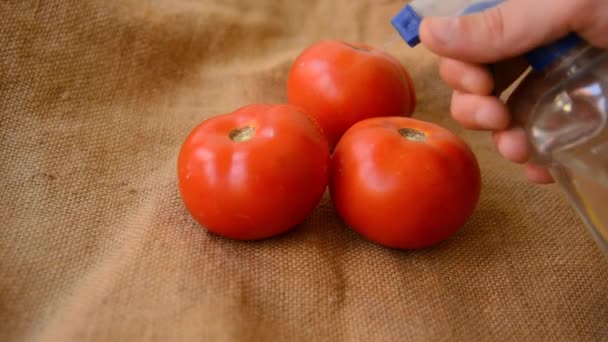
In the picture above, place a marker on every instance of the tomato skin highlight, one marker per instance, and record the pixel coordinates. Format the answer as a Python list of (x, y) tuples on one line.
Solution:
[(254, 173), (404, 192), (341, 83)]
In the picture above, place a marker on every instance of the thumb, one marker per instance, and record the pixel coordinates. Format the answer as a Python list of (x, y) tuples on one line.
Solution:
[(515, 27)]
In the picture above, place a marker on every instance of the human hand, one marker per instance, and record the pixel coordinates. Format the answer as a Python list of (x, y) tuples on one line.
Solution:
[(500, 35)]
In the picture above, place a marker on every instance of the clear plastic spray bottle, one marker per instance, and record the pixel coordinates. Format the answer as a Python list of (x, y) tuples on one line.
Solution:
[(567, 122)]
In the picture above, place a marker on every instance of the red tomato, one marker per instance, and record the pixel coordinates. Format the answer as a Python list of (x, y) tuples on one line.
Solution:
[(254, 173), (404, 183), (341, 83)]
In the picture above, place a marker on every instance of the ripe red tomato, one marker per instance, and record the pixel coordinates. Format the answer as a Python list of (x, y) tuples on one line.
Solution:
[(340, 83), (254, 173), (404, 183)]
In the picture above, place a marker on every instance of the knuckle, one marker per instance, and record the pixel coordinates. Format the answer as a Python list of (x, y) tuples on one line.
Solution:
[(494, 24)]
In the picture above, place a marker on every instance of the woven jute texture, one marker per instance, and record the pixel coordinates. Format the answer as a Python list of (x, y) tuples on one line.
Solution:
[(96, 245)]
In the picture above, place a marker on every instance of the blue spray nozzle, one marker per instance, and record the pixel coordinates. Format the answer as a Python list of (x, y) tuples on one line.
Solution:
[(407, 23)]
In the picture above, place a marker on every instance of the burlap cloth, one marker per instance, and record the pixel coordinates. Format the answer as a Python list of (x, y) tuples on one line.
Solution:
[(95, 244)]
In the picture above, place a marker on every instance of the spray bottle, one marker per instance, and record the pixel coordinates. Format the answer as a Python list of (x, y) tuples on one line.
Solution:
[(567, 122)]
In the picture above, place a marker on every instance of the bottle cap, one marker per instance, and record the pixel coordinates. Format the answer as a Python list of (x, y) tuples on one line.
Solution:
[(542, 57)]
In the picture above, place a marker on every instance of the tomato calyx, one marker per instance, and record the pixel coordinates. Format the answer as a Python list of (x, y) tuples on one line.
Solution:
[(242, 134), (412, 134)]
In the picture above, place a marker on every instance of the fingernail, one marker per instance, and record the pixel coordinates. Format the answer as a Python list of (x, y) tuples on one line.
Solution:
[(442, 29)]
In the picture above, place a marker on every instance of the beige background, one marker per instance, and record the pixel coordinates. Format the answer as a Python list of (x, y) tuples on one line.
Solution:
[(95, 245)]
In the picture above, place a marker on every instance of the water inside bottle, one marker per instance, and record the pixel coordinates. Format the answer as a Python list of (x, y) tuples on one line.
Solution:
[(585, 168), (569, 133)]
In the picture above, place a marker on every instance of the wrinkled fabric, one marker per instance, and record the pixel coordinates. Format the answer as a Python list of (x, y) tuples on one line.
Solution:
[(96, 245)]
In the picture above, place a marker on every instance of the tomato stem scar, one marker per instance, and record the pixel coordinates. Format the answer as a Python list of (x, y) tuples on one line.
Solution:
[(412, 134), (242, 134)]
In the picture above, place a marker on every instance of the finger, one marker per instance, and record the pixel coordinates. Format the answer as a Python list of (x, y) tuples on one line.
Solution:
[(512, 145), (480, 79), (479, 112), (513, 28), (538, 175), (591, 23), (466, 77)]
